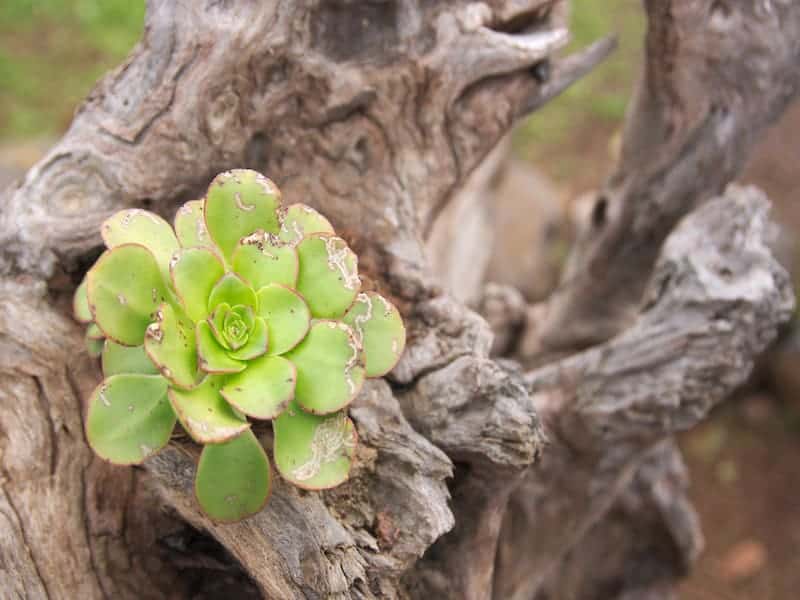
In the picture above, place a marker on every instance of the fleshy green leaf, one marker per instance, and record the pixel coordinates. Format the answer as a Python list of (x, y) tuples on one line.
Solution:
[(257, 343), (287, 317), (263, 389), (214, 358), (124, 289), (237, 324), (190, 226), (238, 203), (231, 290), (300, 221), (328, 275), (205, 414), (379, 329), (126, 359), (93, 332), (129, 418), (94, 347), (137, 226), (233, 479), (170, 344), (80, 304), (262, 259), (314, 452), (194, 273), (329, 374), (217, 322)]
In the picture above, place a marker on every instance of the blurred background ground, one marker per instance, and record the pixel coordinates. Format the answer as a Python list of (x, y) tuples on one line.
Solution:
[(744, 461)]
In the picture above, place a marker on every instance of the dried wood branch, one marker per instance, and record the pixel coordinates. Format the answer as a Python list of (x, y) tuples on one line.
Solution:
[(715, 301), (646, 543), (363, 97), (716, 74), (389, 107), (689, 130)]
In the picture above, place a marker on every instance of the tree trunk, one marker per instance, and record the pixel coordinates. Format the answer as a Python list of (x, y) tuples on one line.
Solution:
[(377, 113)]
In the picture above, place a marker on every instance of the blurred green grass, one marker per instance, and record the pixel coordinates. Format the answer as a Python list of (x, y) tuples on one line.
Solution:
[(563, 134), (51, 54)]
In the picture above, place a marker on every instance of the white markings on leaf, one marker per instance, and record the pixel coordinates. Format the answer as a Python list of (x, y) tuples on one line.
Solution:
[(200, 230), (237, 197), (355, 346), (121, 299), (155, 332), (332, 439), (297, 230), (216, 432), (136, 212), (268, 185), (197, 425), (338, 255), (263, 241), (281, 213), (361, 320), (387, 308), (257, 238), (232, 176), (103, 398)]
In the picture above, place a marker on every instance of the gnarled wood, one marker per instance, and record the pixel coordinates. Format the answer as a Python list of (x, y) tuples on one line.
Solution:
[(695, 106), (356, 540), (375, 113), (74, 527), (644, 546), (715, 301), (355, 109)]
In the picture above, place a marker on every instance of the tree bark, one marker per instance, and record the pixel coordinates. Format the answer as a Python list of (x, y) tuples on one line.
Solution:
[(716, 74), (376, 113), (715, 301)]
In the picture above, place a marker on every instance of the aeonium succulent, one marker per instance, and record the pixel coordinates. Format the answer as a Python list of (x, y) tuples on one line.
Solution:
[(245, 310)]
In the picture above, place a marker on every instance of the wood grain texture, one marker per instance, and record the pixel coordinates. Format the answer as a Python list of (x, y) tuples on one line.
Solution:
[(376, 113), (715, 301), (354, 109), (716, 74)]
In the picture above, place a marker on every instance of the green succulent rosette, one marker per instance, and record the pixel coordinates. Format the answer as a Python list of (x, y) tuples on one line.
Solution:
[(244, 310)]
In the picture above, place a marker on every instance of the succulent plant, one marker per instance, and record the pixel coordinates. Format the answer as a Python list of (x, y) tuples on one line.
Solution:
[(246, 310)]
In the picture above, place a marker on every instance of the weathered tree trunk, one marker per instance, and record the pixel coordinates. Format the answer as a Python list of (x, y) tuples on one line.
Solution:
[(377, 113)]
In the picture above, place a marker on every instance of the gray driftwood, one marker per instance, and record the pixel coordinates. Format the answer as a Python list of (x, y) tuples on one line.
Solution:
[(377, 113)]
